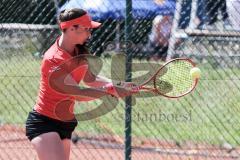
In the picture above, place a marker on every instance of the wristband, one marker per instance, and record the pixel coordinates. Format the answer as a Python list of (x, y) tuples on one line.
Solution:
[(109, 88)]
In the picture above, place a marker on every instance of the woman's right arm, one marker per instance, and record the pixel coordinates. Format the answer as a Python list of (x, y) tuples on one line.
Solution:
[(62, 82)]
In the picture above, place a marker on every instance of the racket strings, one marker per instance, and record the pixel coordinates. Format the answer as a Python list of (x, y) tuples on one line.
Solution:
[(160, 73), (177, 80), (163, 86)]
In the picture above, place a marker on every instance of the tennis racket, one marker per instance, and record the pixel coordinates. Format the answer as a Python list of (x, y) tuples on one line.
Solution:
[(172, 80)]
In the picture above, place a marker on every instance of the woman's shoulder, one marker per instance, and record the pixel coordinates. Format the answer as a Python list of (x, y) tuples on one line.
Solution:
[(50, 52), (53, 54)]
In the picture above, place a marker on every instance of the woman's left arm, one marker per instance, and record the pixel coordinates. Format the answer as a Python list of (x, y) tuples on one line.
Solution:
[(95, 80), (99, 81)]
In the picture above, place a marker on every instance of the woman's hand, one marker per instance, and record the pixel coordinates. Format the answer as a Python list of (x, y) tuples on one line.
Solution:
[(131, 86), (122, 89)]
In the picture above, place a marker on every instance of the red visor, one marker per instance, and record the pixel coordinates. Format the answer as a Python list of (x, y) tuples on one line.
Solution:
[(84, 21)]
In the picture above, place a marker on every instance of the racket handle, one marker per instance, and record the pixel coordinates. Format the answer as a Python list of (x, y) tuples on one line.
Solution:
[(146, 89), (136, 89)]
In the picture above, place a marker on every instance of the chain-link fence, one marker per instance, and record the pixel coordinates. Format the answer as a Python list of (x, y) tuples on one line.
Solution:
[(202, 125)]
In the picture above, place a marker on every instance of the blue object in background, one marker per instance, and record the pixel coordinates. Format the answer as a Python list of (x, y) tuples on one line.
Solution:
[(186, 13), (115, 9)]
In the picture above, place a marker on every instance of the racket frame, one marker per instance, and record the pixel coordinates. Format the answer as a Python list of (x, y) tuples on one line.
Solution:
[(153, 78)]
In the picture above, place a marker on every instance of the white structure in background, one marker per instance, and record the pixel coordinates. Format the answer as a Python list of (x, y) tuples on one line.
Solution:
[(234, 13)]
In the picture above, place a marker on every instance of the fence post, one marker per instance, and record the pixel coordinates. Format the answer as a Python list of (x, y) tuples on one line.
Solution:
[(128, 100)]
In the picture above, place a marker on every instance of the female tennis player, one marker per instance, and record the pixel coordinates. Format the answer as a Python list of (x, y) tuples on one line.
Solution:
[(50, 135)]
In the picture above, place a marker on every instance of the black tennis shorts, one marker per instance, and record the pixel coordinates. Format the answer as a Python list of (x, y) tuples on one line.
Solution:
[(38, 124)]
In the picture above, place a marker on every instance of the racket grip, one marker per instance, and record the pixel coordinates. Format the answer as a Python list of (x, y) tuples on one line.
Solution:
[(111, 89), (136, 89)]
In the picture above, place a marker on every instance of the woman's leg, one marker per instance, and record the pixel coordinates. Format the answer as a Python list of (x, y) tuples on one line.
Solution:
[(185, 14), (67, 147), (223, 7), (49, 146), (212, 7)]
